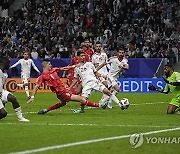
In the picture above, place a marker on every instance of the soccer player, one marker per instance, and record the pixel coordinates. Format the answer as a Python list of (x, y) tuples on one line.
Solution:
[(87, 48), (70, 77), (88, 74), (173, 85), (118, 64), (5, 95), (26, 64), (98, 59), (50, 77)]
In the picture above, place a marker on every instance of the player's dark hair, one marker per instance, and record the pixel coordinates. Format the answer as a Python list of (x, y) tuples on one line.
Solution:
[(86, 39), (98, 42), (169, 65), (79, 53), (120, 49)]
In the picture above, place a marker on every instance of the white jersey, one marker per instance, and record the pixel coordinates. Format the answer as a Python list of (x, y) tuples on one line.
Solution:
[(114, 66), (3, 77), (85, 73), (98, 59), (26, 66)]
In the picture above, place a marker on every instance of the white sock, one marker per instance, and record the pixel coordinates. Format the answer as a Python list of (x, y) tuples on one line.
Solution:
[(114, 98), (105, 99), (27, 90), (114, 92), (102, 98), (110, 101), (20, 85), (18, 112)]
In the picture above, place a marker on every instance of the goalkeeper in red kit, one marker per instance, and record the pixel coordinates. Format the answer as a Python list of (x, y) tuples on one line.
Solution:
[(50, 77)]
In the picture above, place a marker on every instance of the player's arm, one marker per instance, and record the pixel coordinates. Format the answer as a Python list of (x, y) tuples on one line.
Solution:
[(165, 91), (64, 74), (108, 61), (98, 75), (34, 66), (177, 83), (73, 83), (125, 66), (33, 94), (100, 66), (39, 81), (14, 65), (75, 80), (66, 68)]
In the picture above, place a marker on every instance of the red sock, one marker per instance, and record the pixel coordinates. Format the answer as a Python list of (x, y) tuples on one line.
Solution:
[(55, 106), (88, 103)]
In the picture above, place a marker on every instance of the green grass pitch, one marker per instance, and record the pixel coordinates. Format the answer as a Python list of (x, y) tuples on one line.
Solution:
[(62, 131)]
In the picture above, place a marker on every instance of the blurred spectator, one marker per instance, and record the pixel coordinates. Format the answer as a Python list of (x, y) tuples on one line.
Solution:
[(34, 54), (144, 28)]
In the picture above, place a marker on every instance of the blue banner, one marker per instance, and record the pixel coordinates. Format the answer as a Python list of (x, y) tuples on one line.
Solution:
[(139, 84), (138, 67)]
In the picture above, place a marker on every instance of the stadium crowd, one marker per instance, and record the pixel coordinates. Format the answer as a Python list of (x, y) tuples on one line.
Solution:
[(57, 28)]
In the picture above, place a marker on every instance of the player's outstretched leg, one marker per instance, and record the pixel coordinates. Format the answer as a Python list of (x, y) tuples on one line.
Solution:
[(11, 98), (84, 103), (53, 107)]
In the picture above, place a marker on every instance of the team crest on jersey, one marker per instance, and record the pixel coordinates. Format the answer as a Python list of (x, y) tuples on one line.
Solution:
[(67, 94)]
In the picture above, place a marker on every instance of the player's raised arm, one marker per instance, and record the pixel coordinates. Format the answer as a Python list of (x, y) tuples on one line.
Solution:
[(66, 68), (34, 66), (73, 83), (17, 63)]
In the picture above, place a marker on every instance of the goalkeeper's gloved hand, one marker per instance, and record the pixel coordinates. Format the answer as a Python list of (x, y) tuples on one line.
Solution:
[(151, 87)]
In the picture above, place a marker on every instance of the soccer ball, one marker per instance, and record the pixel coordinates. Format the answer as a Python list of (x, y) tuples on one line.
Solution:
[(125, 103)]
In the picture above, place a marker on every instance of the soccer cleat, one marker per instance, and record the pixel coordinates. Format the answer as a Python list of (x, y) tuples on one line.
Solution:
[(78, 111), (23, 119), (29, 97), (109, 105), (44, 111), (103, 105)]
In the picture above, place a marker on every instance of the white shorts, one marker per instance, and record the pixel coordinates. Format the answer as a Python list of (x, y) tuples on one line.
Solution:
[(94, 85), (25, 78), (5, 93)]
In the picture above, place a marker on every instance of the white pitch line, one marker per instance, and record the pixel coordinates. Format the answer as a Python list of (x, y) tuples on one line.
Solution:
[(95, 125), (93, 108), (90, 141)]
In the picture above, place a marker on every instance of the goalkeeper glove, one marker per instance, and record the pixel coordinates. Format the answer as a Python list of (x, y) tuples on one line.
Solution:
[(151, 87)]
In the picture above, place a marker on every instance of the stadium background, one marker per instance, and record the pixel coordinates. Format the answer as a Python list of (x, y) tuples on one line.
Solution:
[(147, 29)]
